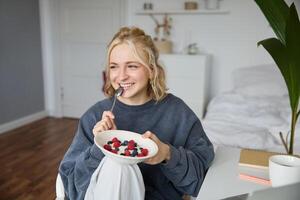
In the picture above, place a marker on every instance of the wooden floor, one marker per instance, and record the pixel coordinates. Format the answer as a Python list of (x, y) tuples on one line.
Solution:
[(30, 156)]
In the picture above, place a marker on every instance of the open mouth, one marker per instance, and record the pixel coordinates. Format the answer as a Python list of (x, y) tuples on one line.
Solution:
[(126, 86)]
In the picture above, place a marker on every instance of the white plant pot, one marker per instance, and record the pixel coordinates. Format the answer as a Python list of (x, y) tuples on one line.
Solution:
[(284, 170)]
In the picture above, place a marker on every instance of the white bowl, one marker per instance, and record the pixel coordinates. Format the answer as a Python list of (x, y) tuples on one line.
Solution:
[(102, 138)]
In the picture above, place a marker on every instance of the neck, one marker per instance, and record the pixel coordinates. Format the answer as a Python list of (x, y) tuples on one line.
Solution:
[(134, 102)]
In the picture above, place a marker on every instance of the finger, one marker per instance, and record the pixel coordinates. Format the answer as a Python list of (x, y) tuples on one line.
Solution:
[(99, 129), (152, 136), (108, 121), (108, 114), (99, 125), (105, 125)]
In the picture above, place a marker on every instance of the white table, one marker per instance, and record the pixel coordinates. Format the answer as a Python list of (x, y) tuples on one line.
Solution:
[(222, 179)]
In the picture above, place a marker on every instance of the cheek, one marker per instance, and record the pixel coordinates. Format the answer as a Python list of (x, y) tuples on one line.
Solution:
[(112, 76)]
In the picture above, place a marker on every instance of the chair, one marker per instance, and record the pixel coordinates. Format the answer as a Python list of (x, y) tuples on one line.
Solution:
[(60, 190)]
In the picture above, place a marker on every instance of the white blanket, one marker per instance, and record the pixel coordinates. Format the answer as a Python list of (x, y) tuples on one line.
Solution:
[(115, 181), (238, 120)]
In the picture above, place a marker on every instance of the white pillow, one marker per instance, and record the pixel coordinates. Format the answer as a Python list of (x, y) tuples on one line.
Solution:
[(262, 80)]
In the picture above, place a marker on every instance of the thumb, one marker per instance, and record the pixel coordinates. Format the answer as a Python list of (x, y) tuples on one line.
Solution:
[(147, 134)]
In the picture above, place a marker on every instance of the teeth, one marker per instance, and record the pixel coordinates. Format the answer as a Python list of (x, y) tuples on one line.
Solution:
[(126, 85)]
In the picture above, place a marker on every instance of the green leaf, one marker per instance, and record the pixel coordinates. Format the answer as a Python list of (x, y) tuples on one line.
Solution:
[(276, 12), (293, 52), (279, 53)]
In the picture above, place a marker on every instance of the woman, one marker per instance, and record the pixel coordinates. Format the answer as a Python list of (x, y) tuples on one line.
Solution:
[(185, 152)]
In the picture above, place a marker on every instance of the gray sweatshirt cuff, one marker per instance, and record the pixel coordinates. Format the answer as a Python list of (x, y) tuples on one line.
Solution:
[(174, 158)]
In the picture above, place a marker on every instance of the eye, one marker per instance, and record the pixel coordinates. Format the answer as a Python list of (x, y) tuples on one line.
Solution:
[(112, 67), (133, 66)]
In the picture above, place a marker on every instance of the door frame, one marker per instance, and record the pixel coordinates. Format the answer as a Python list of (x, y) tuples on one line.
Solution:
[(51, 51)]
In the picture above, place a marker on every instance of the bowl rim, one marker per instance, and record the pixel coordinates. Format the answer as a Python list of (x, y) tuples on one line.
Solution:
[(128, 157)]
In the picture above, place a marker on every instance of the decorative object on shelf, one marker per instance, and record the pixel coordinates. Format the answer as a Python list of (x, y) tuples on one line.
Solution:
[(285, 50), (190, 5), (148, 6), (162, 34), (192, 49), (164, 46), (212, 4)]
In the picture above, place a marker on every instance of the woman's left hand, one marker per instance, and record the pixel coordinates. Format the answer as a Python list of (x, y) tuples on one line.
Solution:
[(163, 150)]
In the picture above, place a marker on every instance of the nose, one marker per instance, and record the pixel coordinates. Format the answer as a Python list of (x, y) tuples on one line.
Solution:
[(123, 73)]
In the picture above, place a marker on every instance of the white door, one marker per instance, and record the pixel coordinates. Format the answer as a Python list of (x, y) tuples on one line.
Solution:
[(86, 27)]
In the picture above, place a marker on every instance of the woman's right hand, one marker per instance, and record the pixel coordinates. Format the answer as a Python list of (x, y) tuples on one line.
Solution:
[(107, 123)]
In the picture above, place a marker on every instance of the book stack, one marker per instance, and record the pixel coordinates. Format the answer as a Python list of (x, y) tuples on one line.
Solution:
[(254, 166)]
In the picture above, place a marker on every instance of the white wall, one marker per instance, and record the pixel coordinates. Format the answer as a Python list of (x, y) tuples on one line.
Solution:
[(230, 38)]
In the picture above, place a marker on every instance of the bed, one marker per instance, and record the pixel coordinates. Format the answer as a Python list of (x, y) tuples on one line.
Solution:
[(253, 113)]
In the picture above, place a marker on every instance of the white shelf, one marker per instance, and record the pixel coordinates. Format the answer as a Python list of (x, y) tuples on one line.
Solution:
[(182, 12)]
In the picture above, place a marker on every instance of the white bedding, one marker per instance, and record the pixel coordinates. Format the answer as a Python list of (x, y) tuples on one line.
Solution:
[(250, 120)]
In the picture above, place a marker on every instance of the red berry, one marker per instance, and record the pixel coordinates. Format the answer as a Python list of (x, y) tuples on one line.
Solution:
[(127, 153), (130, 146), (131, 142), (115, 139), (140, 155), (117, 144), (114, 151), (107, 147), (144, 152)]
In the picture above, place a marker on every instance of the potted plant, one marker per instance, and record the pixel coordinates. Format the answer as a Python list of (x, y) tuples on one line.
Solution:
[(284, 20), (285, 51)]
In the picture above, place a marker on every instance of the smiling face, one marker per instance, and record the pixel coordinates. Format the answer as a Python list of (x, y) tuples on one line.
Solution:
[(127, 72)]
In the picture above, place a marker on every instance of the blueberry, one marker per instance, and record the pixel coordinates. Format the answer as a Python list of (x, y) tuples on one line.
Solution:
[(109, 142), (134, 153)]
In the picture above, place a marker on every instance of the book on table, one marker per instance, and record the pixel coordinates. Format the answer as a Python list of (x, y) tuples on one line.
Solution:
[(254, 166)]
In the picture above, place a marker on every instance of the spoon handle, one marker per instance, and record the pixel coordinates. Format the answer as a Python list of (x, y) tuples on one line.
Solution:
[(114, 102)]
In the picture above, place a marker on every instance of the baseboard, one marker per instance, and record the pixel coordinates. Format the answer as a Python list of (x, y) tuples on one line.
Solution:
[(22, 121)]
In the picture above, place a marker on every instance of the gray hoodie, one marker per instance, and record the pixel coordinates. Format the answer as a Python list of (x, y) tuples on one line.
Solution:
[(172, 121)]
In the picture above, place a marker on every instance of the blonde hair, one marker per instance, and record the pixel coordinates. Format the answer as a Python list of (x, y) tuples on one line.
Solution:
[(144, 50)]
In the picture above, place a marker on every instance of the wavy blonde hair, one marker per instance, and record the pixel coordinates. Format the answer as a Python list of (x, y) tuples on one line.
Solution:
[(144, 50)]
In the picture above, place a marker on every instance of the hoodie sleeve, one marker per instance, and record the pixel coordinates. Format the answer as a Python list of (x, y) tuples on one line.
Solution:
[(81, 160), (187, 166)]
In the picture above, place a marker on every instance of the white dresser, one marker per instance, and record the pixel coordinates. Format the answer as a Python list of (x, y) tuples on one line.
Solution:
[(187, 78)]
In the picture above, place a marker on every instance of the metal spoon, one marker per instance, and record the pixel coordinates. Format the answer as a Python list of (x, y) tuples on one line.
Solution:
[(118, 93)]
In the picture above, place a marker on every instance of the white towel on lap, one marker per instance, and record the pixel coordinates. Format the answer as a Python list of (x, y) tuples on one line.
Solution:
[(115, 181)]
